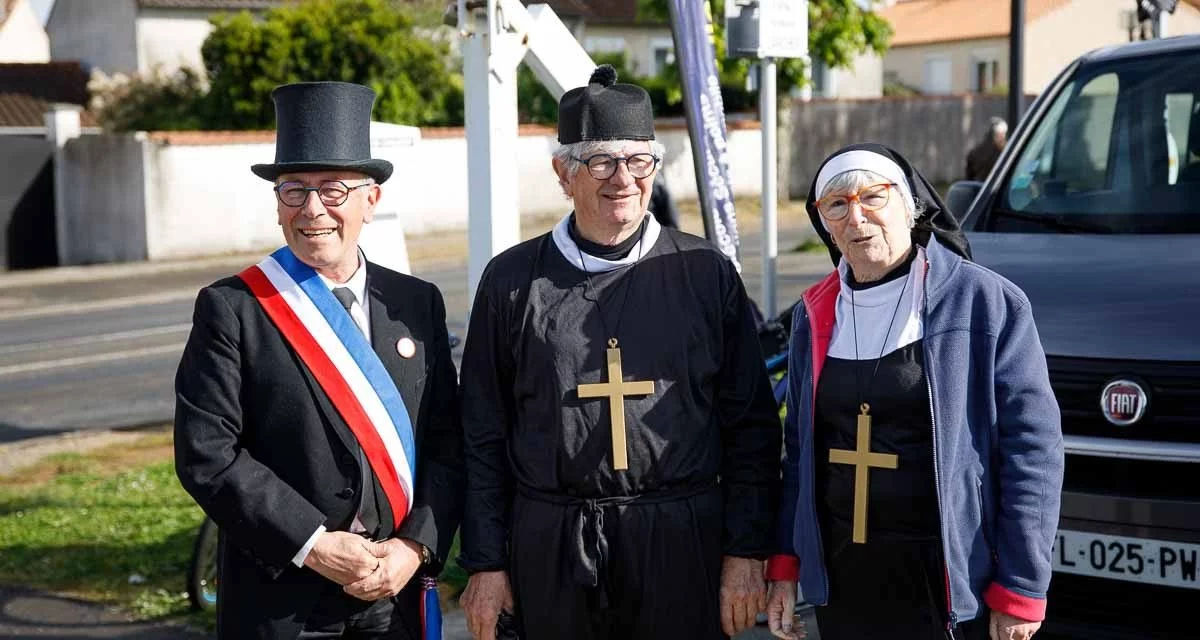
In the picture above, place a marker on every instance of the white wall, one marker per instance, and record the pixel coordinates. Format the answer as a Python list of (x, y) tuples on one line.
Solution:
[(862, 80), (639, 41), (99, 33), (909, 64), (22, 38), (170, 39), (201, 198)]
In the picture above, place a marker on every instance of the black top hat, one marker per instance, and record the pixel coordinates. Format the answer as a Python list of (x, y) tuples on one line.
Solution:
[(604, 110), (323, 126)]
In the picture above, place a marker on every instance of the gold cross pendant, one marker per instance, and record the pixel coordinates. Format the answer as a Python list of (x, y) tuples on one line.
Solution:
[(862, 459), (615, 390)]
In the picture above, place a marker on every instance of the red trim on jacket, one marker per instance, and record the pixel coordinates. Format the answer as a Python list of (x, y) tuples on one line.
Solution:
[(820, 302), (783, 567), (1014, 604)]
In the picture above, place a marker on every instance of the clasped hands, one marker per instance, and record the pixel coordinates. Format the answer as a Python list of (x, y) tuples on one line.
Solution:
[(366, 570)]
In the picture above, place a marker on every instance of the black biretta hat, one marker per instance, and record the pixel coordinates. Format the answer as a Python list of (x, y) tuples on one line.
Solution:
[(604, 110), (323, 126)]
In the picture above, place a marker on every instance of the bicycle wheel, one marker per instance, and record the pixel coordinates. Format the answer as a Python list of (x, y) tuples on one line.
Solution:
[(202, 573)]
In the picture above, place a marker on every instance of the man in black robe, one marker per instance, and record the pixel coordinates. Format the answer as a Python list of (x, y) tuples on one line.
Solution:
[(628, 511)]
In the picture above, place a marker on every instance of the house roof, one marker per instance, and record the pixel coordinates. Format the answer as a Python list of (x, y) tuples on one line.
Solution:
[(60, 81), (606, 11), (210, 4), (20, 110), (929, 21)]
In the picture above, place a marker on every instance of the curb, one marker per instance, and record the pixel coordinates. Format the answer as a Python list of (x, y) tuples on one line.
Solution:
[(93, 273), (29, 451)]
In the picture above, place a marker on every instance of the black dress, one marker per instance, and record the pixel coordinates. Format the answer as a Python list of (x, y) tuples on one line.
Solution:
[(593, 552), (893, 585)]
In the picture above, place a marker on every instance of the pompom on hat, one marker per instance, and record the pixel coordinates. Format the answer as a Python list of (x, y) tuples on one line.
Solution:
[(605, 110)]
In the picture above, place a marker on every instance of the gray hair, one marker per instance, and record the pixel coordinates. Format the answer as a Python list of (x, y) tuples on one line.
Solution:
[(855, 179), (566, 153), (997, 125)]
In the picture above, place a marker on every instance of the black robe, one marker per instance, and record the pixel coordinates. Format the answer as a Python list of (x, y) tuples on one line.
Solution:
[(593, 552)]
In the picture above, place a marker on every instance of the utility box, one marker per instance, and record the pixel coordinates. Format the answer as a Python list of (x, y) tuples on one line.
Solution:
[(766, 28)]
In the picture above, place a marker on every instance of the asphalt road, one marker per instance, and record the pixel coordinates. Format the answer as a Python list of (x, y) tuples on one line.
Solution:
[(101, 352)]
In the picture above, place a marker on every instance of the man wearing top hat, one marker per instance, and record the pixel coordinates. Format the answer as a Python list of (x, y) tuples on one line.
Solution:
[(622, 440), (316, 414)]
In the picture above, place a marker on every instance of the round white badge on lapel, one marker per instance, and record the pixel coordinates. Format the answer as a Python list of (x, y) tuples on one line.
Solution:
[(406, 347)]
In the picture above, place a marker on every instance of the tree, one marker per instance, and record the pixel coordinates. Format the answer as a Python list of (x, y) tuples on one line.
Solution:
[(369, 42), (156, 101), (838, 31)]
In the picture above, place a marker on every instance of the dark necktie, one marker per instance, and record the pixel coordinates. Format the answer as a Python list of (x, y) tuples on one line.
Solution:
[(368, 510)]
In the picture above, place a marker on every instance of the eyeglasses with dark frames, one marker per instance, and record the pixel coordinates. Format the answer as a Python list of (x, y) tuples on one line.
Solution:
[(331, 193), (871, 198), (602, 166)]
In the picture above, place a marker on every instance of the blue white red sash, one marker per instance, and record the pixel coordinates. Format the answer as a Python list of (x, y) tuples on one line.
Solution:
[(345, 366)]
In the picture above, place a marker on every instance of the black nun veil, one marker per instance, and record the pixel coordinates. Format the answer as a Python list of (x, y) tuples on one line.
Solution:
[(936, 219)]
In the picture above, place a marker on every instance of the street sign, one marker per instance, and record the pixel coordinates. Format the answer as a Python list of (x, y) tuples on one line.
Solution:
[(783, 29), (766, 28)]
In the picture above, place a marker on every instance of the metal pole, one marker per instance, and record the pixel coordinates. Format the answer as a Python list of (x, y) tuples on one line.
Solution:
[(490, 75), (1016, 62), (770, 175), (1160, 24)]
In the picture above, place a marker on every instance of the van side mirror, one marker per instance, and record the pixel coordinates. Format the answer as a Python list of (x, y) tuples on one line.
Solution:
[(960, 196)]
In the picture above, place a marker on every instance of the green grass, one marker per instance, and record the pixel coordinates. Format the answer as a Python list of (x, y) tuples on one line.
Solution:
[(87, 533), (85, 524)]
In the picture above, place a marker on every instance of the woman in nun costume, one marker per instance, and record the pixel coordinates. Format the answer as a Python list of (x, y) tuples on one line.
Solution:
[(924, 452)]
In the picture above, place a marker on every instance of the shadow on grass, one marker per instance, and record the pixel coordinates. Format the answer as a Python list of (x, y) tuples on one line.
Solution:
[(16, 433), (152, 573)]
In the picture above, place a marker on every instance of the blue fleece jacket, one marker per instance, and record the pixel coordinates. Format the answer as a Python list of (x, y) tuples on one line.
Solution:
[(998, 447)]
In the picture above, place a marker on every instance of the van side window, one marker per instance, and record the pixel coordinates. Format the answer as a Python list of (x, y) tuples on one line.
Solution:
[(1070, 153), (1117, 150)]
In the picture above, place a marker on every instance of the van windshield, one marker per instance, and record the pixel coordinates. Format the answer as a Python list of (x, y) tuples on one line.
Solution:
[(1118, 151)]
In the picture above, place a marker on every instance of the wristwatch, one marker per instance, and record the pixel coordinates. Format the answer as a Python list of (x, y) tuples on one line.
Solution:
[(426, 554)]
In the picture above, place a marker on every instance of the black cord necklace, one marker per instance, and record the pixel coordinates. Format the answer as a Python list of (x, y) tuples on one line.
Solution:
[(861, 457), (616, 389), (864, 407), (612, 340)]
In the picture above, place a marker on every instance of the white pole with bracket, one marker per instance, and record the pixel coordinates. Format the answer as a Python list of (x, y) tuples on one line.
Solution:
[(497, 36)]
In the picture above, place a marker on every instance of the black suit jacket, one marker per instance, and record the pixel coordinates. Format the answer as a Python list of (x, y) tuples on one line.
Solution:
[(261, 448)]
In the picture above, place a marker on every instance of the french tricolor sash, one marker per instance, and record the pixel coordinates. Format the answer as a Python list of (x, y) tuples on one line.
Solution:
[(333, 348)]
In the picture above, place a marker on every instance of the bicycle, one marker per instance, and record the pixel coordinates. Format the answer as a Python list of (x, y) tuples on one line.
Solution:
[(203, 575)]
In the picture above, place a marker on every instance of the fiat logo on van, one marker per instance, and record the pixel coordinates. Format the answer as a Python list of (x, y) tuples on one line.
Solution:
[(1123, 402)]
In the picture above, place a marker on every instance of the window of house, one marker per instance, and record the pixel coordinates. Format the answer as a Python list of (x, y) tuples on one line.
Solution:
[(662, 53), (604, 44), (985, 72), (937, 75), (824, 82)]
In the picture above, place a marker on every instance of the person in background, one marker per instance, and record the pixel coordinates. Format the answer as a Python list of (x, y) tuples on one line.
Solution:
[(662, 205), (983, 156)]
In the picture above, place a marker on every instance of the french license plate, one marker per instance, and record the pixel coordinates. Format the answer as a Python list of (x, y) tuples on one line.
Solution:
[(1172, 564)]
